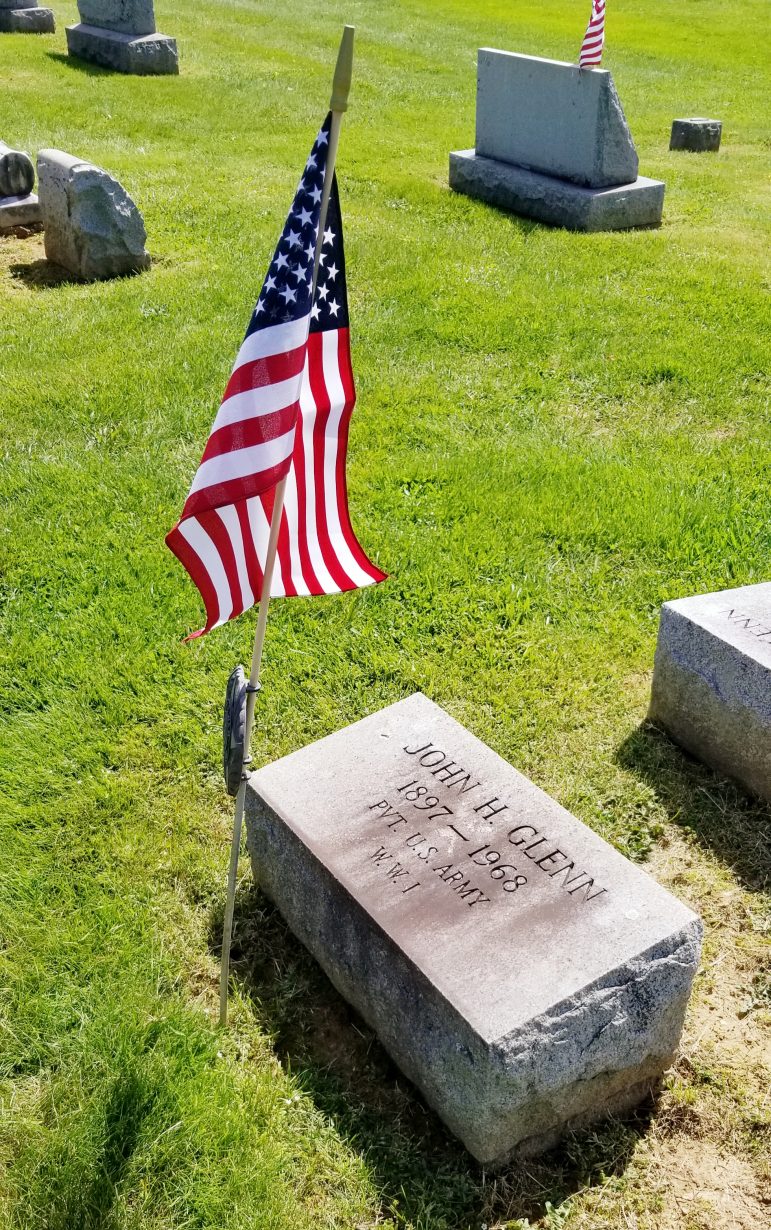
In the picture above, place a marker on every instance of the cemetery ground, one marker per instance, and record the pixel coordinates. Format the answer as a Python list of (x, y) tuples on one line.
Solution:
[(555, 434)]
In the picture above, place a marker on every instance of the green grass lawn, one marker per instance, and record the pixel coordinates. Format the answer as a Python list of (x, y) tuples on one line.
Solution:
[(555, 433)]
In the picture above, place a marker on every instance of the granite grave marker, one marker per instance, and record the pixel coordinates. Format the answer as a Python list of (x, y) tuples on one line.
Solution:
[(552, 144), (523, 973), (92, 227), (697, 135), (19, 206), (121, 34), (712, 681)]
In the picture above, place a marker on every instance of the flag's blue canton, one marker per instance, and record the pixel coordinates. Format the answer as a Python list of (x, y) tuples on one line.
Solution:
[(330, 307), (286, 292)]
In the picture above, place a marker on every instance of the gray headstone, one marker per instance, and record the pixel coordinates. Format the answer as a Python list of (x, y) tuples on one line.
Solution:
[(553, 118), (143, 55), (92, 227), (556, 201), (523, 973), (697, 135), (17, 173), (26, 19), (123, 16), (712, 681)]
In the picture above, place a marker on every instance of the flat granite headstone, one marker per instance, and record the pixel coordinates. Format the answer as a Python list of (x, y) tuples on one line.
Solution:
[(552, 143), (92, 227), (121, 34), (524, 974), (29, 18), (712, 681)]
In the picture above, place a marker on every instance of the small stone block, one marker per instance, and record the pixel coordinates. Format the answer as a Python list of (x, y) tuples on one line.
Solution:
[(27, 21), (697, 135), (524, 974), (553, 118), (20, 211), (150, 55), (712, 681), (555, 201)]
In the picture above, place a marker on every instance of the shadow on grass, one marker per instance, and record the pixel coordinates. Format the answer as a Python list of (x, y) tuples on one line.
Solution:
[(81, 66), (83, 1196), (337, 1061), (44, 275), (41, 275), (718, 813)]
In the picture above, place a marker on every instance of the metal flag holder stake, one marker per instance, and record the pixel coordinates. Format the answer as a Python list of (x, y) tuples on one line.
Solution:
[(241, 694)]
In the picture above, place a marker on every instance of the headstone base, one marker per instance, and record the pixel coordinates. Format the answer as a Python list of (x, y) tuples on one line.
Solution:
[(20, 211), (27, 21), (147, 55), (555, 201), (697, 135)]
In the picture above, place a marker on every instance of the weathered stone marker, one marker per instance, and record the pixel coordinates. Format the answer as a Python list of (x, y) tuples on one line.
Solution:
[(552, 143), (712, 681), (92, 226), (19, 206), (121, 34), (697, 135), (26, 18), (524, 974)]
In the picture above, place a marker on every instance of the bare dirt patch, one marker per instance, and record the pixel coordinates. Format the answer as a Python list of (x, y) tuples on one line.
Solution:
[(705, 1187)]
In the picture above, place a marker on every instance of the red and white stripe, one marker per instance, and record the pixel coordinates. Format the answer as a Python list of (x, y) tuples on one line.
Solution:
[(594, 39), (224, 547), (252, 438)]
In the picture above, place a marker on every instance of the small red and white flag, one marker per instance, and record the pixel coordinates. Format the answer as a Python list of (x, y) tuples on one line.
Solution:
[(285, 413), (591, 48)]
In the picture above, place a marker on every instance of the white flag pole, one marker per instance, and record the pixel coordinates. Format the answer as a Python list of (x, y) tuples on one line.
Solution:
[(341, 85)]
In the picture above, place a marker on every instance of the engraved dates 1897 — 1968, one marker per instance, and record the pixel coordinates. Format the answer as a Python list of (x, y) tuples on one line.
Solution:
[(479, 872)]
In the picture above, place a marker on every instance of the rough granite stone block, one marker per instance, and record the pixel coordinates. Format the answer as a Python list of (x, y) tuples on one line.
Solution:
[(148, 55), (552, 200), (553, 118), (712, 681), (20, 212), (524, 974), (28, 20), (124, 16), (17, 172), (697, 135), (92, 226)]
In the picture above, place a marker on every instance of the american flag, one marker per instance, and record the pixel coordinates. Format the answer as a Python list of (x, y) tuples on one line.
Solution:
[(591, 48), (286, 411)]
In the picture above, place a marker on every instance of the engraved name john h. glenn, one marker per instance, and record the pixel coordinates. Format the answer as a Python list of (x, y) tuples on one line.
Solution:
[(440, 824)]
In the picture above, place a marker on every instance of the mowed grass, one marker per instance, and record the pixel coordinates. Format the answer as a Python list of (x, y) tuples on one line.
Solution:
[(555, 433)]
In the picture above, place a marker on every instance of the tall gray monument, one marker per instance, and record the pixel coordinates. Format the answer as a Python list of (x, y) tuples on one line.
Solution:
[(524, 974), (121, 34), (18, 17), (552, 144)]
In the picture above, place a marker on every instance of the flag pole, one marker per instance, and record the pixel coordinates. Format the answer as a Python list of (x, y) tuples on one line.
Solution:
[(341, 85)]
